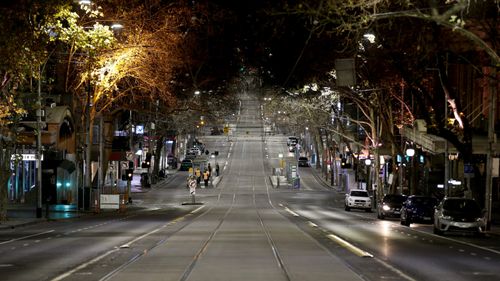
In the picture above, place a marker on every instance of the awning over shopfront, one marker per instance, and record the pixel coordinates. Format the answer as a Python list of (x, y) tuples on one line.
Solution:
[(428, 142), (436, 145)]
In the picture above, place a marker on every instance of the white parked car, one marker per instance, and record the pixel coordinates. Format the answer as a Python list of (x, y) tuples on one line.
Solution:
[(195, 150), (358, 199), (460, 215)]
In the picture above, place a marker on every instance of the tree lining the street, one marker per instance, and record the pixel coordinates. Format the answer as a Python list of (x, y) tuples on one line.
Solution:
[(401, 58), (27, 45)]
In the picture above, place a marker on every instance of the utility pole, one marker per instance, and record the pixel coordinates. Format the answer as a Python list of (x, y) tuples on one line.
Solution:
[(131, 147), (446, 154), (490, 152), (100, 171), (39, 152), (88, 145)]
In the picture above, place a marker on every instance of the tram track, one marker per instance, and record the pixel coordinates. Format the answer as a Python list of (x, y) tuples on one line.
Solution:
[(221, 214)]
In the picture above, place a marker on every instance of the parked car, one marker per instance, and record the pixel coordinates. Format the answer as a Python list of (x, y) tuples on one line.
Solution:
[(390, 206), (303, 161), (190, 155), (458, 215), (186, 164), (215, 131), (292, 141), (195, 150), (358, 199), (418, 209)]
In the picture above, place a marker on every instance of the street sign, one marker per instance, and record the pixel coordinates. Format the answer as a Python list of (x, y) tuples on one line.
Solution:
[(192, 187), (110, 201)]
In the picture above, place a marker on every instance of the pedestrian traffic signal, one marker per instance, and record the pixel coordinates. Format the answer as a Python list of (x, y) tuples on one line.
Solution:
[(344, 164), (129, 174), (147, 163)]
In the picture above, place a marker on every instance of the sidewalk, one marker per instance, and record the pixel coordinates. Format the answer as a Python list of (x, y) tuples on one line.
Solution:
[(20, 214), (23, 214)]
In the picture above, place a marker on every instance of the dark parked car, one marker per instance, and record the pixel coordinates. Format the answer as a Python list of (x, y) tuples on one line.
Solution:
[(418, 209), (190, 155), (215, 131), (390, 206), (186, 164), (303, 162), (458, 215)]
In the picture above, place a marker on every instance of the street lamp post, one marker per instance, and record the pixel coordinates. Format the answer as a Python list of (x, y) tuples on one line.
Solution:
[(410, 152), (39, 151), (368, 163)]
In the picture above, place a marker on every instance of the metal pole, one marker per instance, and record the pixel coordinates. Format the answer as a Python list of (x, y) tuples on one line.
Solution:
[(489, 155), (446, 154), (88, 147), (101, 163), (131, 147), (39, 147), (401, 144)]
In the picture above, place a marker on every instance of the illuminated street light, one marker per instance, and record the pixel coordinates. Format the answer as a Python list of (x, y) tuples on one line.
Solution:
[(410, 152), (116, 26), (370, 37)]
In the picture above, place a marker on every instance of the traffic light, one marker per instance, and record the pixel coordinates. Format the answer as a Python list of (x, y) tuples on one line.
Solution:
[(147, 163), (344, 164), (129, 174)]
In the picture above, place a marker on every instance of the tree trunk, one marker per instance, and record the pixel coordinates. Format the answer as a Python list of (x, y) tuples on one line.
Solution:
[(156, 167)]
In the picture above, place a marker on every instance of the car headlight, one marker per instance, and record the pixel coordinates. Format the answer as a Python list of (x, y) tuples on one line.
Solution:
[(386, 208)]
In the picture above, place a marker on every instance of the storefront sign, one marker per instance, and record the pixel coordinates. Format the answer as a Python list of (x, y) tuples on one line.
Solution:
[(25, 157), (110, 201)]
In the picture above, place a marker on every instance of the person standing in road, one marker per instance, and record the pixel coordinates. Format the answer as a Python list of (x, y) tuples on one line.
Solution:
[(209, 170), (198, 176), (217, 168), (206, 176)]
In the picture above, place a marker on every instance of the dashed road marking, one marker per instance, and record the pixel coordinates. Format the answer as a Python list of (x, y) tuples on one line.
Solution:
[(25, 237)]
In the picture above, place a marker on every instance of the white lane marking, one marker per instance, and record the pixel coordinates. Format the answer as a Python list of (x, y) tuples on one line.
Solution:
[(197, 210), (390, 267), (456, 241), (357, 251), (312, 224), (98, 258), (25, 237), (84, 265), (292, 212)]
